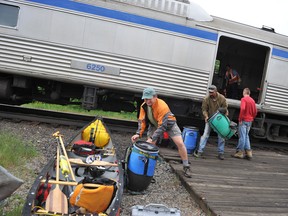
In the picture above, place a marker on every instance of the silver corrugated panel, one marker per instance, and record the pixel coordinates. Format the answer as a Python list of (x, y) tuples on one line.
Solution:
[(52, 61), (276, 97)]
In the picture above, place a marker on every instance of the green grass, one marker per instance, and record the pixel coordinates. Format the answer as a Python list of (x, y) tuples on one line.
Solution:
[(78, 109), (14, 154), (14, 151), (17, 210)]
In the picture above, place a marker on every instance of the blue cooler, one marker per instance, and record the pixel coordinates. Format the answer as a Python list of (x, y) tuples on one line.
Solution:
[(190, 138), (141, 165)]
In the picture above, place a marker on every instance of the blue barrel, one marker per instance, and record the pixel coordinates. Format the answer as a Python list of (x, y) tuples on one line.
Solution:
[(190, 138), (220, 123), (141, 165)]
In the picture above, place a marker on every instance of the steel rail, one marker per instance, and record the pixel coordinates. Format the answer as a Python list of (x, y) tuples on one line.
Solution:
[(17, 113)]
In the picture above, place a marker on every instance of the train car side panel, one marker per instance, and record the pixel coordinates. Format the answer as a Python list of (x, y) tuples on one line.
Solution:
[(276, 94), (52, 60)]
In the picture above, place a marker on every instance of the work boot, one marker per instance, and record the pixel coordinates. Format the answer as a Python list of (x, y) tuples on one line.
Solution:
[(187, 171), (239, 154), (198, 154), (249, 154), (221, 156)]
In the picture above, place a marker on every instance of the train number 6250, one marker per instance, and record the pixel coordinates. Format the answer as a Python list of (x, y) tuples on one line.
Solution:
[(95, 67)]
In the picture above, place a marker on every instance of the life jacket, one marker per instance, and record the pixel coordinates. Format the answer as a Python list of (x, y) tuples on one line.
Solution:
[(94, 200), (83, 148), (96, 133), (43, 192)]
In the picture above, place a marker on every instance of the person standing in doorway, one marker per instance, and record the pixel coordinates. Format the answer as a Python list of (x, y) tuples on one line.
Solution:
[(248, 112), (156, 115), (210, 105), (232, 77)]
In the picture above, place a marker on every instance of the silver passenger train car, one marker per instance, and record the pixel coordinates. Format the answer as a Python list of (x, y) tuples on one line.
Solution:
[(107, 51)]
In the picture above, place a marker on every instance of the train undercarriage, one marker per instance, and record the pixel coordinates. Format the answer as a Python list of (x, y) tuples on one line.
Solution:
[(19, 90)]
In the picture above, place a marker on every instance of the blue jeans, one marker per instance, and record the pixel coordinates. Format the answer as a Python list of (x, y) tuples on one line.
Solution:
[(204, 139), (244, 141)]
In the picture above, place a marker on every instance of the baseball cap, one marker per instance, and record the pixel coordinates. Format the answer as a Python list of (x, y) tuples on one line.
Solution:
[(148, 93), (212, 88)]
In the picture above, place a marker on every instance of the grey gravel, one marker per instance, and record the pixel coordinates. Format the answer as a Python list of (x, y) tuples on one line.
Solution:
[(167, 189)]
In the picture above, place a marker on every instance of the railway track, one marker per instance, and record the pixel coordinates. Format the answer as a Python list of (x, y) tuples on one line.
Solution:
[(16, 113)]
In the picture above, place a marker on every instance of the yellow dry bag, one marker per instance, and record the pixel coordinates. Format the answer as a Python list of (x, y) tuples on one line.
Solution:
[(96, 133)]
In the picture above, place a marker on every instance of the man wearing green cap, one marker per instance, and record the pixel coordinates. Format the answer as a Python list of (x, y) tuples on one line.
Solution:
[(156, 115)]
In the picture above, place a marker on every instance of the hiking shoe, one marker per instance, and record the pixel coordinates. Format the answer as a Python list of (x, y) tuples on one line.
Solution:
[(197, 154), (248, 154), (221, 156), (239, 154), (187, 171)]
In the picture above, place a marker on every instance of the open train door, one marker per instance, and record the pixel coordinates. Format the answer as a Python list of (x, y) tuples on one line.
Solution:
[(248, 59)]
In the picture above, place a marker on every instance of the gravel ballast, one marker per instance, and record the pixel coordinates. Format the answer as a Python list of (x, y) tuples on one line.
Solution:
[(167, 189)]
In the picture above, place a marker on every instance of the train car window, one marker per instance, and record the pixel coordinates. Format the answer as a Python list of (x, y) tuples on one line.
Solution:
[(8, 15)]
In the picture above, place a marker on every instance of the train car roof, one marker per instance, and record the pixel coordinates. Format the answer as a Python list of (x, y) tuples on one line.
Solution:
[(261, 34), (196, 17), (189, 19)]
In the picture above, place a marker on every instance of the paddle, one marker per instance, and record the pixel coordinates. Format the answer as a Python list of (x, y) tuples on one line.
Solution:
[(72, 183), (65, 167), (78, 161), (67, 189), (57, 200), (59, 138)]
